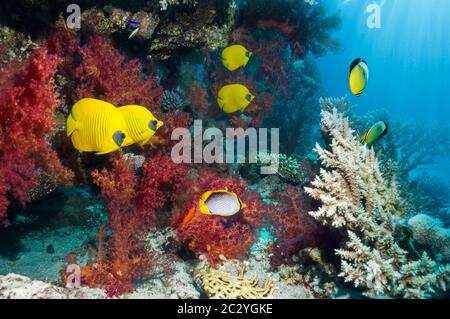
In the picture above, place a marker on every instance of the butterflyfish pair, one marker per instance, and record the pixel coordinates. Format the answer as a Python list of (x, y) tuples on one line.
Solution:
[(98, 126), (234, 97)]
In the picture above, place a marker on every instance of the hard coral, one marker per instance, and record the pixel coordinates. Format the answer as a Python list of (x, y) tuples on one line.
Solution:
[(356, 197), (219, 284), (27, 104), (429, 231), (218, 236)]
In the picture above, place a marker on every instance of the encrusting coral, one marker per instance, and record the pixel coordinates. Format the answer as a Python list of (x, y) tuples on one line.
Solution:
[(219, 284), (289, 168), (355, 196)]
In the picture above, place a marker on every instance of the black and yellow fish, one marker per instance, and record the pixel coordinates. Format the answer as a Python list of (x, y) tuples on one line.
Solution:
[(358, 76), (220, 202), (375, 133)]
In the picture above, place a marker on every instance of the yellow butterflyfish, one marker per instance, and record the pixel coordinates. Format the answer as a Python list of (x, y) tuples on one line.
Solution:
[(140, 122), (234, 97), (235, 56), (96, 126)]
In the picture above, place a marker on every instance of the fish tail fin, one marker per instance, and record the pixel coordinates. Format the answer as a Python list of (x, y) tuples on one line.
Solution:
[(71, 125), (362, 138)]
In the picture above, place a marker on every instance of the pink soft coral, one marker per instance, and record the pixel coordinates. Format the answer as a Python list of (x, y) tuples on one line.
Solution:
[(27, 104)]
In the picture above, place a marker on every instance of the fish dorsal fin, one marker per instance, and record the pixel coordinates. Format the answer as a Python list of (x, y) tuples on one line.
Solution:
[(354, 64), (365, 68)]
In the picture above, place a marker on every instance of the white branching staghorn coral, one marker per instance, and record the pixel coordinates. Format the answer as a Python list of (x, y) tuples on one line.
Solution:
[(356, 197)]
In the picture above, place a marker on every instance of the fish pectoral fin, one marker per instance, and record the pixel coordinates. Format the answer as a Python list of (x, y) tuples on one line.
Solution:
[(71, 125), (74, 137)]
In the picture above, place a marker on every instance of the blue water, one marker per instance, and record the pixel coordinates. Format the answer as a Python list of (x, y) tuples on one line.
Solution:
[(408, 57)]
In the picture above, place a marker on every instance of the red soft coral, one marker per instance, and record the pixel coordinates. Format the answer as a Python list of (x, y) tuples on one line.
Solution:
[(160, 177), (214, 236), (27, 104), (293, 228), (65, 44), (274, 70), (199, 98), (126, 259), (104, 74), (172, 120), (132, 204)]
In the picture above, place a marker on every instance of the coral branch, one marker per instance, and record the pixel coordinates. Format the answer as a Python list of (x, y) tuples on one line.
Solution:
[(356, 197)]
